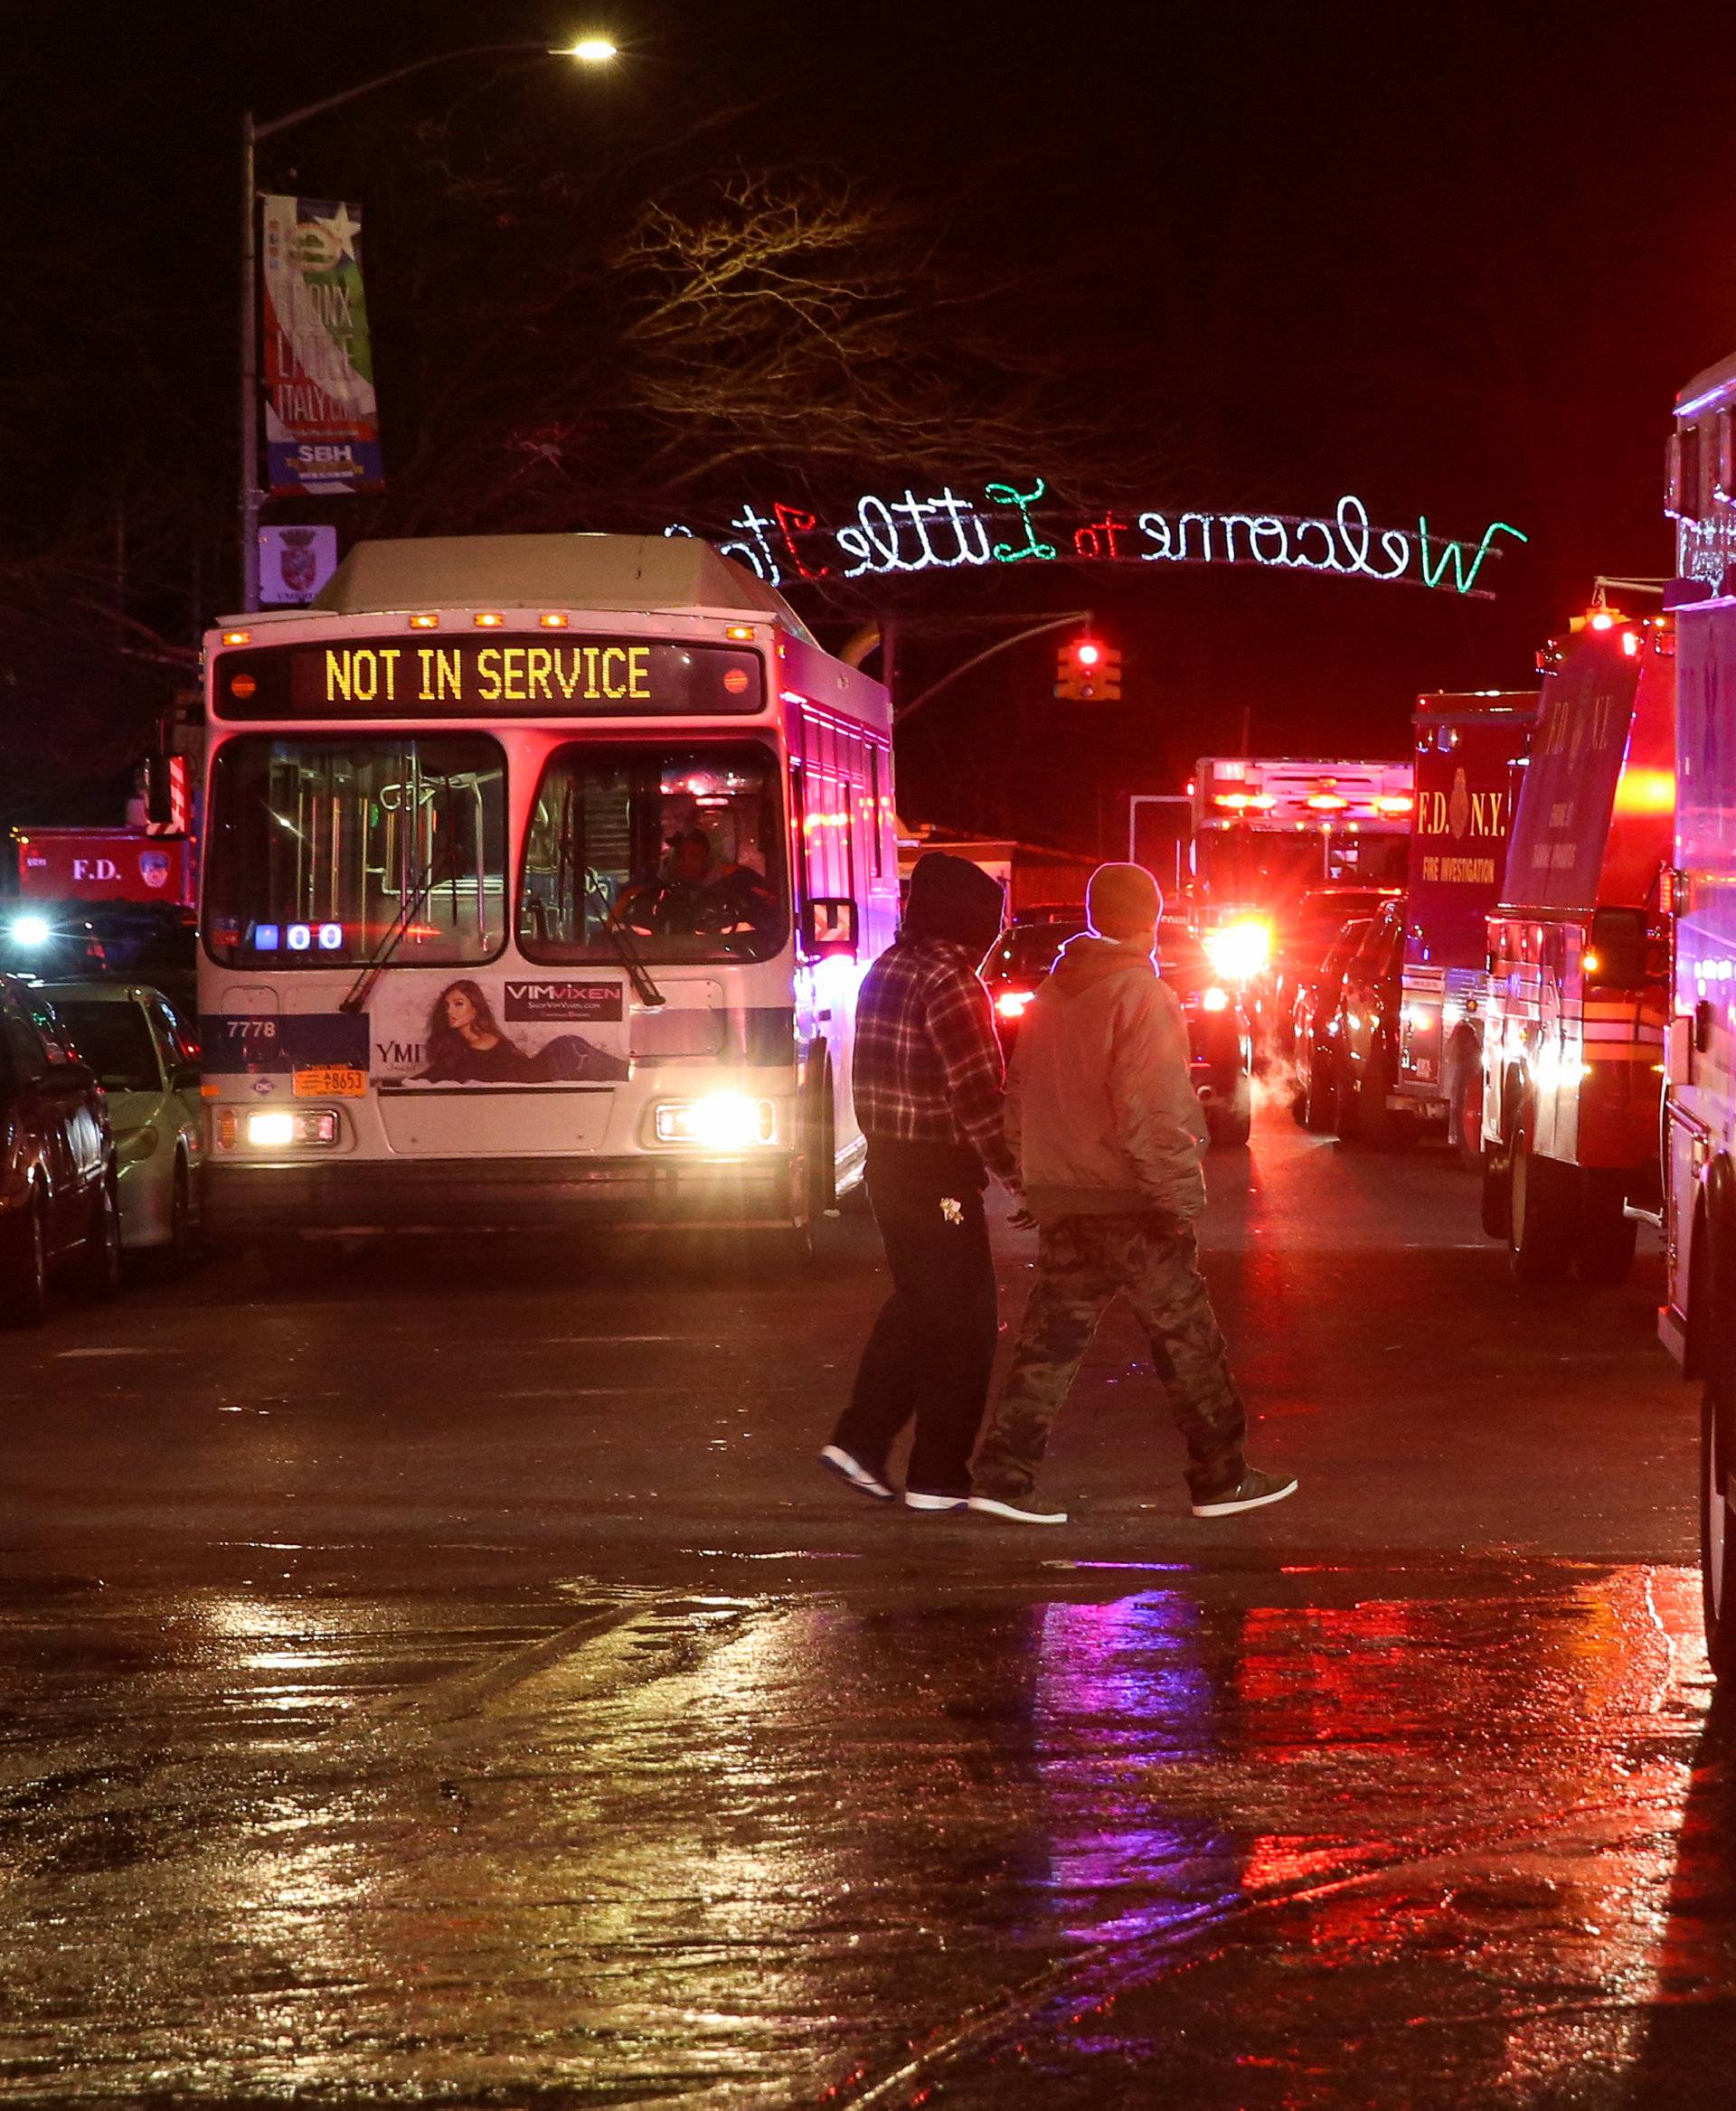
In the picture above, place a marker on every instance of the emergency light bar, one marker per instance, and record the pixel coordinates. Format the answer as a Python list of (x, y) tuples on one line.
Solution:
[(1259, 792)]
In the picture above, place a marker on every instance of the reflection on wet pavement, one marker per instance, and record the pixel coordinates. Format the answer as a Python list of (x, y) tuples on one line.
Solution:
[(1296, 1838)]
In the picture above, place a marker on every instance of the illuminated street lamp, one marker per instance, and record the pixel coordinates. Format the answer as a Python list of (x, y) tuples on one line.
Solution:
[(589, 51)]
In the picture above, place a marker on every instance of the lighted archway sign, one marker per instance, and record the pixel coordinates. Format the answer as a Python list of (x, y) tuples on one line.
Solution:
[(946, 530)]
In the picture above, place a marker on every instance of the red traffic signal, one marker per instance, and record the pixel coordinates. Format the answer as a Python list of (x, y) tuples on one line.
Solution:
[(1087, 671)]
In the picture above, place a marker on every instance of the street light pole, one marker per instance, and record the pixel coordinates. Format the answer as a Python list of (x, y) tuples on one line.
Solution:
[(587, 50)]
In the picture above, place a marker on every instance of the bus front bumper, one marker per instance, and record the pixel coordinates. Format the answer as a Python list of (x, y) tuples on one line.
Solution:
[(505, 1194)]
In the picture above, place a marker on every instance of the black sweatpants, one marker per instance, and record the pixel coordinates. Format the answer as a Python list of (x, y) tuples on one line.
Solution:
[(931, 1349)]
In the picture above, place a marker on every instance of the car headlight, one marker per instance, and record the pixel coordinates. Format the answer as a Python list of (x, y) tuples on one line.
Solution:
[(721, 1121), (275, 1128), (131, 1146)]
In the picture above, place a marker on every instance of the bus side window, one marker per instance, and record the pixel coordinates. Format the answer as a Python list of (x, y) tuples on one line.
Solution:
[(850, 802), (876, 839), (804, 888)]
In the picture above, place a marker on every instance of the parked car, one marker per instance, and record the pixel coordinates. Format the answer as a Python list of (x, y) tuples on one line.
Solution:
[(1220, 1039), (1366, 1032), (149, 1062), (59, 1205), (1314, 1030)]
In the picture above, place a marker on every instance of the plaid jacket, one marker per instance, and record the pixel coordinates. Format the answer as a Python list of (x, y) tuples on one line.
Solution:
[(927, 1065)]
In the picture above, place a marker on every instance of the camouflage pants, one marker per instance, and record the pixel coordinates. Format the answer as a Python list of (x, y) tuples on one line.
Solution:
[(1082, 1264)]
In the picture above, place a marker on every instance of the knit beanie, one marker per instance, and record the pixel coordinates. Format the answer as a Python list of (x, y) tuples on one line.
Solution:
[(1123, 901)]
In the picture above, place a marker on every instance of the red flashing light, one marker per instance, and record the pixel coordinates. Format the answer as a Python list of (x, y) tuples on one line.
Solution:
[(1087, 671), (1601, 619)]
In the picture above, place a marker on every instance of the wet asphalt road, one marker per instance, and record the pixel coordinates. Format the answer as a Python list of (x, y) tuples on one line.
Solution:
[(449, 1681)]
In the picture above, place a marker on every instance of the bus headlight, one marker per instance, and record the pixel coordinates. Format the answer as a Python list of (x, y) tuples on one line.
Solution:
[(721, 1121), (275, 1128)]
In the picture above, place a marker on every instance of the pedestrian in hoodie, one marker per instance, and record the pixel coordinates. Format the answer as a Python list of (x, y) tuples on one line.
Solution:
[(928, 1083), (1108, 1135)]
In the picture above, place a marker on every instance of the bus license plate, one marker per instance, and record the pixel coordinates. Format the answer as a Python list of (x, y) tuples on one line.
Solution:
[(331, 1081)]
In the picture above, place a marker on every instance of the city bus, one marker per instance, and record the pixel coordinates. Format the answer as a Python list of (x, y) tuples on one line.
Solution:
[(540, 872)]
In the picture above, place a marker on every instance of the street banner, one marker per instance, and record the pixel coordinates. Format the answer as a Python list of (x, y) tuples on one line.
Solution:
[(322, 427), (295, 564)]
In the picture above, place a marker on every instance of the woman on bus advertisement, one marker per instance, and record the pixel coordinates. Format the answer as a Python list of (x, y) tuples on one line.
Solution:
[(464, 1046), (463, 1042)]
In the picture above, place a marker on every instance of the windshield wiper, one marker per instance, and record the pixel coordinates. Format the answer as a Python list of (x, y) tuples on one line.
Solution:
[(362, 988), (625, 944)]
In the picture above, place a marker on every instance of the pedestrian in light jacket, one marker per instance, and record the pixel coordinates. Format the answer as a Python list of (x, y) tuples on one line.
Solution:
[(927, 1084), (1108, 1135)]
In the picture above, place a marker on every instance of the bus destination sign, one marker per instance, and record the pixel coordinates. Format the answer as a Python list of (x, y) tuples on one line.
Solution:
[(501, 677)]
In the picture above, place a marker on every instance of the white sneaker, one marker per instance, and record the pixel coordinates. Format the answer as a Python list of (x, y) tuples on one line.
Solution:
[(1254, 1491), (848, 1468), (1017, 1513), (918, 1499)]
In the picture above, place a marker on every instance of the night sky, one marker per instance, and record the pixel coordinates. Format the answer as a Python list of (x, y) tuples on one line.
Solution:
[(1454, 260)]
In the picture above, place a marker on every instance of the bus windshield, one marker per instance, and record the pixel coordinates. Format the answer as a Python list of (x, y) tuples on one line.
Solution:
[(677, 847), (319, 846)]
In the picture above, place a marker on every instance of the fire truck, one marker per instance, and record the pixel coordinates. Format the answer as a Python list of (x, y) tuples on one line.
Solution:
[(1468, 751), (1265, 831), (1573, 1042), (101, 865), (1698, 1320)]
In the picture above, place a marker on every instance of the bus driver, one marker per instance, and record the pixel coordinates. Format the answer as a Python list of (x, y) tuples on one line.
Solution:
[(692, 896)]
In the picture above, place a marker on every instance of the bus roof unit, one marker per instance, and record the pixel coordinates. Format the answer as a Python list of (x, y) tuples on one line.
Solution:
[(662, 572)]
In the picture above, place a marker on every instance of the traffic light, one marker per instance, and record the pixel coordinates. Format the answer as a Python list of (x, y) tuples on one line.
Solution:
[(1087, 671), (1600, 616)]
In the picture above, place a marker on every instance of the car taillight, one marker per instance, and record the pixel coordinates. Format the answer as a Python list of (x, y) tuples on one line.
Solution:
[(1012, 1003)]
